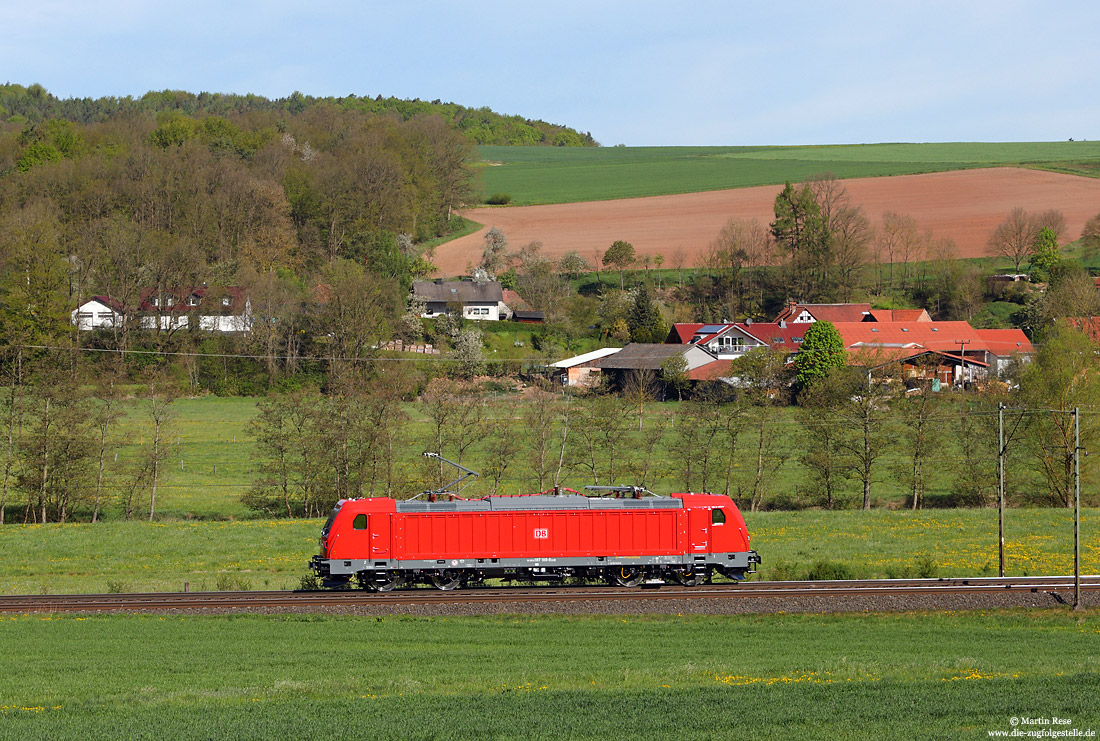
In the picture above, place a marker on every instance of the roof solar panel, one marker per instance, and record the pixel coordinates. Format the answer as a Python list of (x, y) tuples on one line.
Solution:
[(711, 328)]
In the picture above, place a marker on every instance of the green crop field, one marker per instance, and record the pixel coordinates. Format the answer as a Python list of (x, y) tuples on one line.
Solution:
[(272, 554), (536, 175), (926, 675)]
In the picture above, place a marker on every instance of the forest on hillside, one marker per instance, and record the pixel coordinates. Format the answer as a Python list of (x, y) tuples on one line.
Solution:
[(34, 104)]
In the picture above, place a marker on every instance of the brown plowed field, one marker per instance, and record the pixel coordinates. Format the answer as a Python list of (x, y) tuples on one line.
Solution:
[(964, 205)]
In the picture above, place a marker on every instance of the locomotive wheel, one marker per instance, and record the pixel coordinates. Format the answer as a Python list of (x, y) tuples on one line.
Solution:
[(688, 577), (626, 576), (447, 579), (386, 582)]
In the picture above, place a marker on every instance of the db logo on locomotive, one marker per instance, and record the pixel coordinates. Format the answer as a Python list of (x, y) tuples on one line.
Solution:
[(542, 533)]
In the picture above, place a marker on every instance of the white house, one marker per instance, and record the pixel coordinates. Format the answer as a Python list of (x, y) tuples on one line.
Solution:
[(483, 300), (98, 312), (731, 341), (224, 310)]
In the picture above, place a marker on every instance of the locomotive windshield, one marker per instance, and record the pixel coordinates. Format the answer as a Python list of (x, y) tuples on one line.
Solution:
[(330, 520)]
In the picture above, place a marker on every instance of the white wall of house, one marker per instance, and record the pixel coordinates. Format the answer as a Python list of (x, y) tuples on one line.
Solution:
[(226, 323), (231, 323), (165, 322), (697, 357), (93, 315), (733, 344), (488, 311), (999, 365)]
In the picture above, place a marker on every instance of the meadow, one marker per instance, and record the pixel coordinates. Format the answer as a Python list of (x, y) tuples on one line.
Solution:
[(543, 175), (211, 463), (310, 676), (272, 554)]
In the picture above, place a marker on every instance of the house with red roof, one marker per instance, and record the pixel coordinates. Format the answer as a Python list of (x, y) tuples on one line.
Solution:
[(969, 353), (731, 341), (1090, 325), (898, 315), (225, 309), (1004, 347), (796, 313)]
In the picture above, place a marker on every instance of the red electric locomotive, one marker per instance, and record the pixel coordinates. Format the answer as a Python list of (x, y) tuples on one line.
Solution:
[(624, 538)]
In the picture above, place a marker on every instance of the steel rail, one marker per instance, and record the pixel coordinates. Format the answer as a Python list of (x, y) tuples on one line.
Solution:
[(484, 594)]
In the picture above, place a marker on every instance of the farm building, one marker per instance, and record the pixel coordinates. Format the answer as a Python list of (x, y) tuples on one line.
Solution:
[(582, 370)]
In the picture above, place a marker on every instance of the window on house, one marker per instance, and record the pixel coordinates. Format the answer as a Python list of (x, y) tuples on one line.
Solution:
[(360, 522), (193, 301), (717, 517), (171, 300), (156, 302), (227, 301)]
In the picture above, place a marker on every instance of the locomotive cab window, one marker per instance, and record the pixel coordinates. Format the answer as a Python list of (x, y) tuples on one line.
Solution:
[(359, 523), (717, 517)]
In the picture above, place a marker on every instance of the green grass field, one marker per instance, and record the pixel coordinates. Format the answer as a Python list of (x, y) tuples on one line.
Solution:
[(211, 465), (537, 175), (272, 554), (928, 675)]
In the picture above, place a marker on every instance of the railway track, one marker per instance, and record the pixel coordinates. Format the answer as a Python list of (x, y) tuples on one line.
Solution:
[(157, 601)]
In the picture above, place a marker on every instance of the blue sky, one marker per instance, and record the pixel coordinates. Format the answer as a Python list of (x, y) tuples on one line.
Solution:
[(636, 73)]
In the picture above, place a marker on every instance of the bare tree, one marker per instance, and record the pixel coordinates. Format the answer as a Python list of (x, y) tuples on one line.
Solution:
[(641, 461), (917, 417), (861, 401), (821, 454), (161, 394), (1052, 219), (1090, 235), (639, 387), (698, 423), (540, 418), (107, 412), (601, 426), (13, 400), (1014, 237), (738, 253), (852, 236), (503, 443), (679, 259), (764, 372)]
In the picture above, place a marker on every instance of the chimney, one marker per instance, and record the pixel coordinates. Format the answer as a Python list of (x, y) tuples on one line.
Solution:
[(782, 323)]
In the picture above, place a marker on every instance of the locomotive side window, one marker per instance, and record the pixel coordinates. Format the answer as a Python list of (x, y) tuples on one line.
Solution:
[(360, 522), (717, 517)]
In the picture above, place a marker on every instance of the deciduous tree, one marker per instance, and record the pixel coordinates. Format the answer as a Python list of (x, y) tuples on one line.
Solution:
[(822, 350), (619, 255), (1062, 376)]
